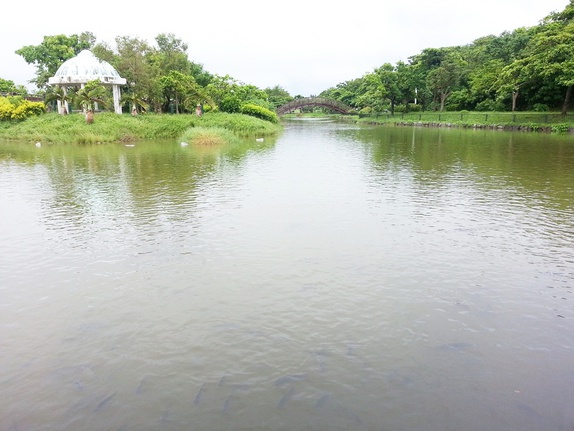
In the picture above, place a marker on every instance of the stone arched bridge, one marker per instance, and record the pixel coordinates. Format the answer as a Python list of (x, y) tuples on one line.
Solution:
[(334, 105)]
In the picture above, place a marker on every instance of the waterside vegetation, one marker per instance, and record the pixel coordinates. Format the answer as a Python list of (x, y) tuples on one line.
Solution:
[(520, 80), (109, 127), (526, 69), (517, 121)]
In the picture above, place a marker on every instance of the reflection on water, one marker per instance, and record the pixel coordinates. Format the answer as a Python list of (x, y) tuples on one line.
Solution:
[(337, 277)]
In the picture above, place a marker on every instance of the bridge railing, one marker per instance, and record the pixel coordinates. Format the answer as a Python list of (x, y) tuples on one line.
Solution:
[(313, 101)]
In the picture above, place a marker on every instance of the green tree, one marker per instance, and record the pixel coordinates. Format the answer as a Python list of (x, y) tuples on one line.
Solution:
[(172, 53), (407, 83), (512, 78), (52, 52), (482, 83), (224, 87), (91, 94), (8, 87), (104, 52), (390, 80), (132, 62), (135, 101), (277, 96), (551, 54), (183, 91), (420, 66), (59, 94), (346, 92), (372, 92), (444, 79)]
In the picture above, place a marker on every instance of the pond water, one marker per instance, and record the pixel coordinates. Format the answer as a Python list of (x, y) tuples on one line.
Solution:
[(335, 277)]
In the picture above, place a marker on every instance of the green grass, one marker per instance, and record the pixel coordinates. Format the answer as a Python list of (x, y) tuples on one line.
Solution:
[(528, 120), (110, 127), (208, 136)]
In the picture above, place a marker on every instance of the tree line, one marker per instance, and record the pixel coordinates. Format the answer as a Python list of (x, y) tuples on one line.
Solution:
[(160, 77), (530, 68)]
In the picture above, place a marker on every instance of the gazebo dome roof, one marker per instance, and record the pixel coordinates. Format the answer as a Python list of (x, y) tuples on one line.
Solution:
[(86, 67)]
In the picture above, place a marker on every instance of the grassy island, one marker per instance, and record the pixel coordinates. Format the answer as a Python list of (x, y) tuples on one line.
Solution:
[(110, 127)]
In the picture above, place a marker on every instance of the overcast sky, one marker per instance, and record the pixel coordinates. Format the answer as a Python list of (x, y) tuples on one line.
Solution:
[(305, 46)]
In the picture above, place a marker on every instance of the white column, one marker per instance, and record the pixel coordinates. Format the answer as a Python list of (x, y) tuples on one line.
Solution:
[(116, 91), (66, 101), (84, 110)]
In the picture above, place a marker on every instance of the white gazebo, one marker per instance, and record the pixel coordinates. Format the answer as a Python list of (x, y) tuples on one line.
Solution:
[(86, 67)]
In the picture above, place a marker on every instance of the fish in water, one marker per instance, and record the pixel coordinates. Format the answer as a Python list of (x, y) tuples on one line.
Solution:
[(197, 399), (285, 398), (142, 385), (322, 401), (289, 378), (164, 416), (459, 346), (104, 402), (226, 405)]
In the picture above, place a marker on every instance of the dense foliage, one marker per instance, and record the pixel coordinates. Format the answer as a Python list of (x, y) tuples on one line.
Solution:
[(16, 108), (525, 69), (160, 78), (8, 88), (259, 112), (52, 52)]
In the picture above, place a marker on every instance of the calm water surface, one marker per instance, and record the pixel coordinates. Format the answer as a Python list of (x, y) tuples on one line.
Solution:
[(332, 278)]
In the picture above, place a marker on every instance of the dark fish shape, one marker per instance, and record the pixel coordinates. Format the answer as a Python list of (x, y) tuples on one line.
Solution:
[(285, 398), (459, 346), (289, 378), (164, 416), (104, 402), (240, 386), (398, 378), (226, 405), (322, 401), (142, 385), (197, 399)]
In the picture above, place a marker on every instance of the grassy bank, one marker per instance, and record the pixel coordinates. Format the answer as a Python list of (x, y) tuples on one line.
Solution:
[(109, 127), (524, 121)]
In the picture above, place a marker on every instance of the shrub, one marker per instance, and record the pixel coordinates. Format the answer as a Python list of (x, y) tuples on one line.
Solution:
[(6, 109), (259, 112), (560, 128), (259, 102), (28, 109), (413, 108), (540, 107), (488, 106), (19, 109), (230, 104), (535, 127)]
